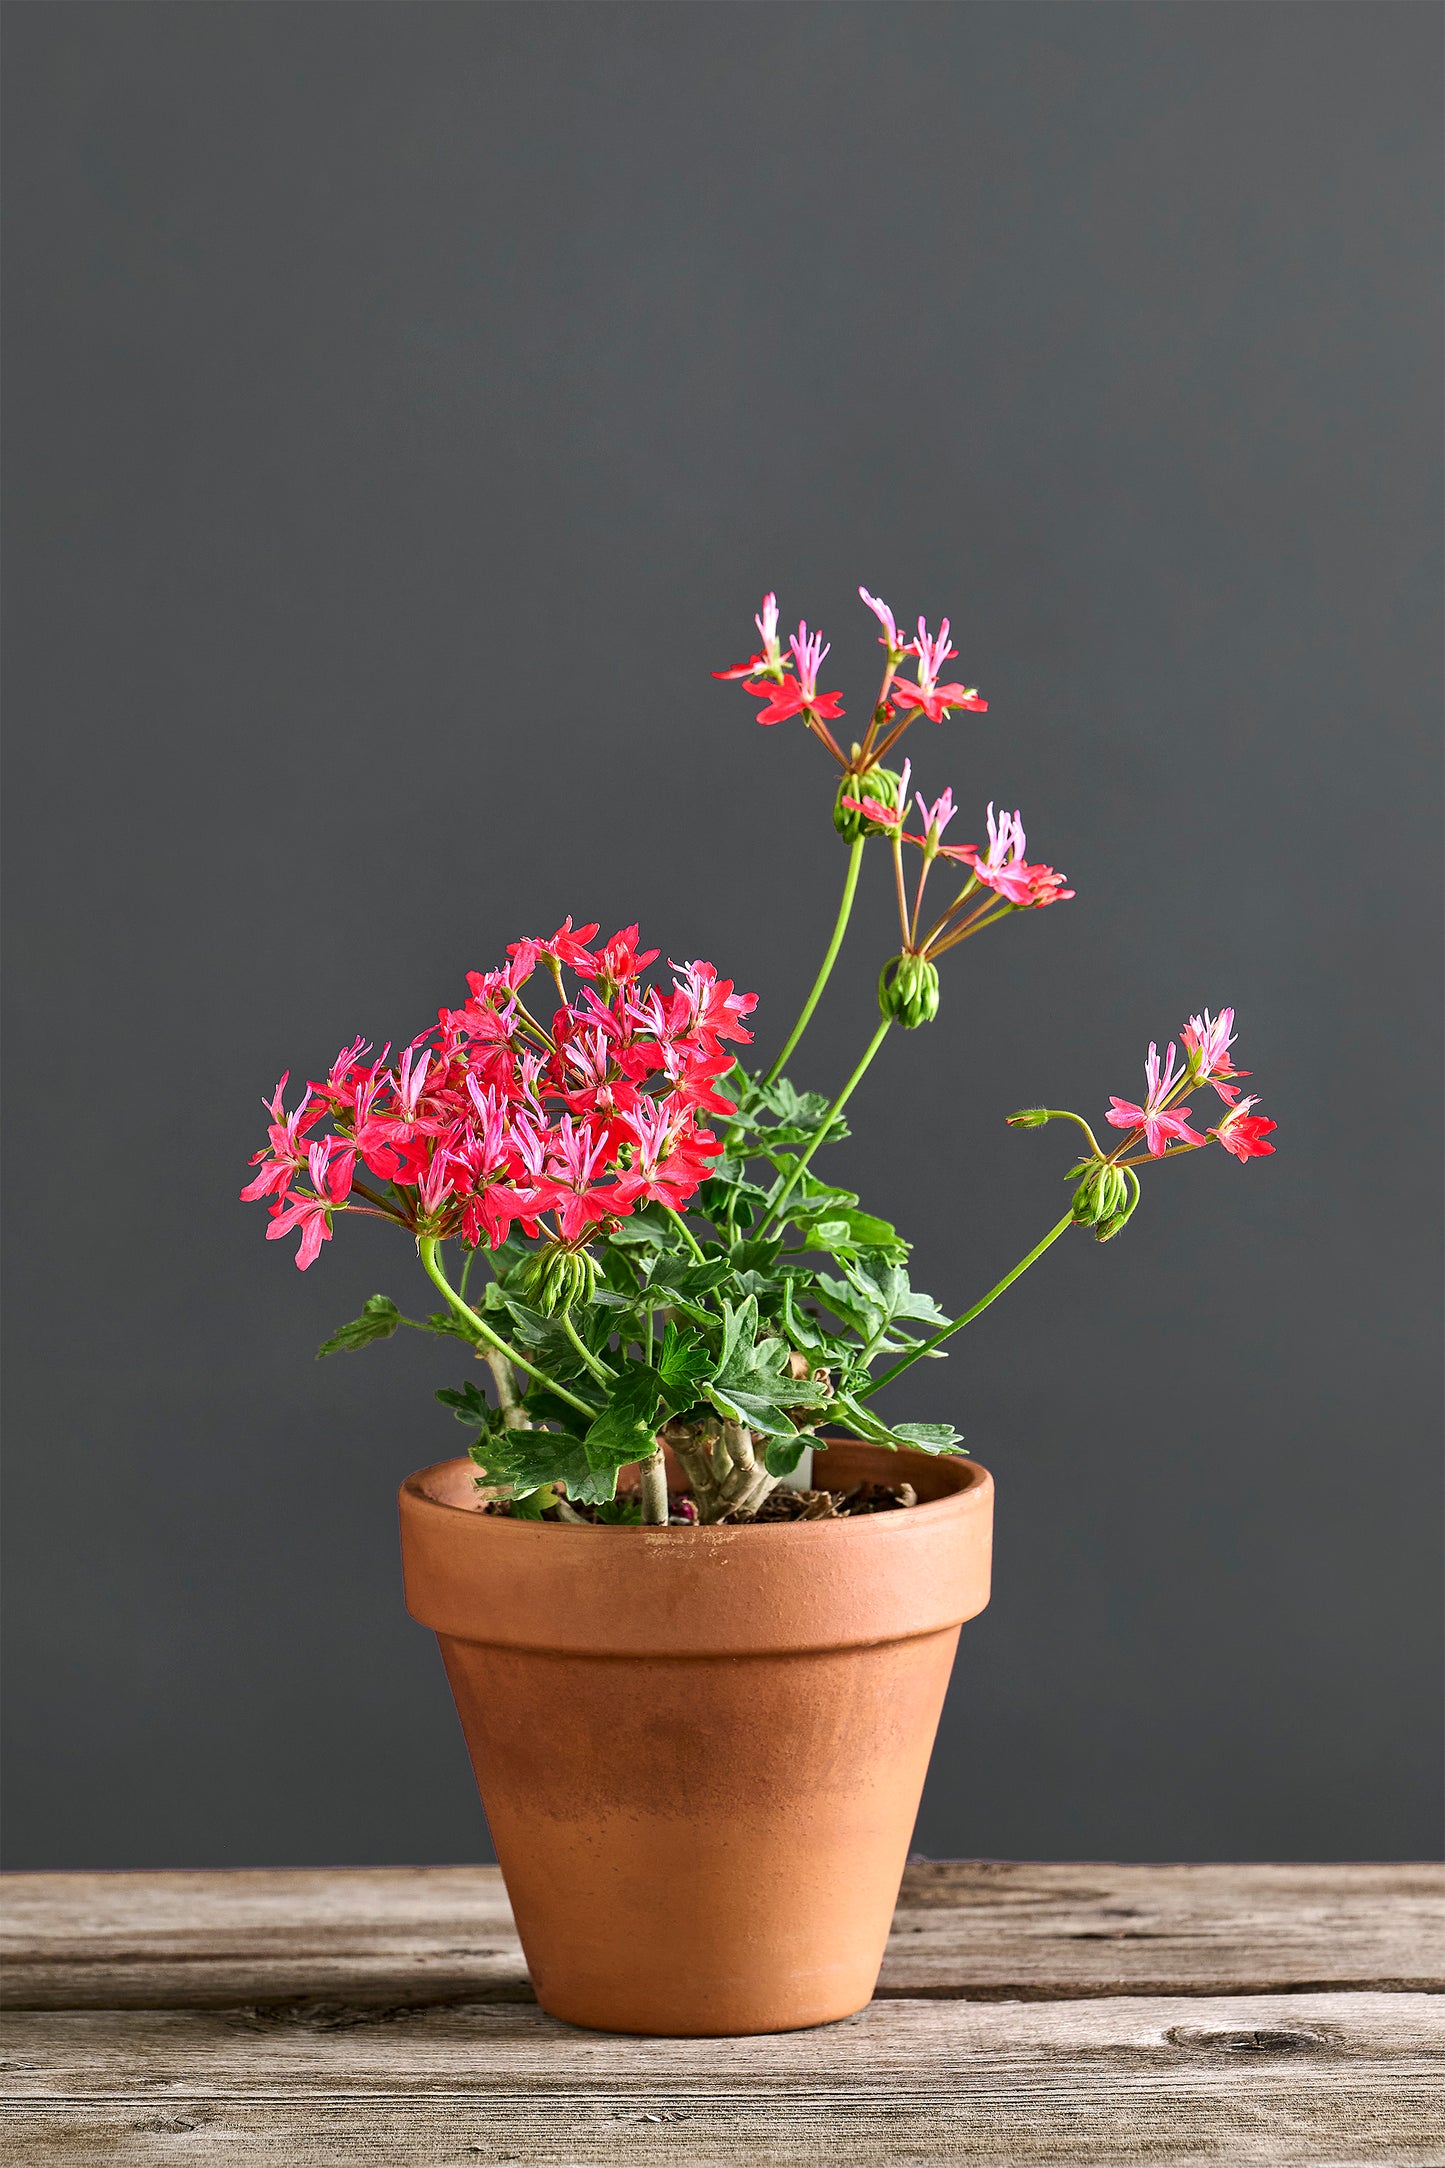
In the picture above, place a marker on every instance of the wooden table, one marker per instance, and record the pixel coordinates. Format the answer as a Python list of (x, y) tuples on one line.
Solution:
[(1069, 2014)]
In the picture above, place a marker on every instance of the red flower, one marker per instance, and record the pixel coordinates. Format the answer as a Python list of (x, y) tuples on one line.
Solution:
[(933, 699), (771, 658), (796, 696), (488, 1120), (1006, 870), (312, 1216), (1243, 1133)]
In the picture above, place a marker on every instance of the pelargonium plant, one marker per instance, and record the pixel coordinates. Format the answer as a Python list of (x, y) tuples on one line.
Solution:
[(659, 1262)]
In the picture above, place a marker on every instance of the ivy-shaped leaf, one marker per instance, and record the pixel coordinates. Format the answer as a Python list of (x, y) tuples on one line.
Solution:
[(378, 1321)]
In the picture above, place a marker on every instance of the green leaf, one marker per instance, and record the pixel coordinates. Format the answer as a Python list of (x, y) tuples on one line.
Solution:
[(525, 1460), (928, 1437), (447, 1321), (626, 1429), (620, 1513), (682, 1363), (922, 1437), (378, 1321), (783, 1454), (468, 1404)]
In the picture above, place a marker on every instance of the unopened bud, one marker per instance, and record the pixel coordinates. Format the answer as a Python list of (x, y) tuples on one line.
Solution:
[(1102, 1195), (908, 990), (559, 1278), (879, 784), (1108, 1228), (1029, 1118)]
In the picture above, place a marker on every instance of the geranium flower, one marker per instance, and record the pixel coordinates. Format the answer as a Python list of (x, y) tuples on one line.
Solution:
[(928, 696), (794, 696), (771, 657), (1243, 1133), (1161, 1125), (484, 1121), (1207, 1041), (1006, 870), (890, 636), (285, 1152), (312, 1215)]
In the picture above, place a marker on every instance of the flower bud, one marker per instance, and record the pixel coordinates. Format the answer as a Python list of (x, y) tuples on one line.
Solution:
[(1029, 1118), (879, 784), (908, 990), (560, 1277), (1102, 1195), (1106, 1230)]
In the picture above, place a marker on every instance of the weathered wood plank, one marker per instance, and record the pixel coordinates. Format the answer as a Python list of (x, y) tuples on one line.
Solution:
[(1318, 2079), (963, 1929)]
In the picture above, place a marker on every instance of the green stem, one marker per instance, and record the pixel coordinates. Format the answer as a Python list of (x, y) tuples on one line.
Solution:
[(774, 1210), (599, 1370), (426, 1250), (969, 1315), (850, 888), (685, 1231)]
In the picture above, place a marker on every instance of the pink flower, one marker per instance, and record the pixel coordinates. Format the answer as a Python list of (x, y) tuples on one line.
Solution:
[(890, 636), (285, 1154), (565, 946), (312, 1216), (618, 960), (771, 658), (1207, 1041), (935, 817), (1243, 1133), (795, 695), (486, 1120), (1160, 1124), (1006, 870), (933, 699)]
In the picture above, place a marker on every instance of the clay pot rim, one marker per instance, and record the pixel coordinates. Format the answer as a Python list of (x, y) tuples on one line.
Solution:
[(964, 1499)]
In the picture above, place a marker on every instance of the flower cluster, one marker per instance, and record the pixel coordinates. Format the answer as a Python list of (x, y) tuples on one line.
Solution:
[(1163, 1119), (491, 1116), (1108, 1187), (787, 684)]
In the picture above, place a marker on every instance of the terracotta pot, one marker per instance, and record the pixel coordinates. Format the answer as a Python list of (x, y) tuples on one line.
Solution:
[(701, 1750)]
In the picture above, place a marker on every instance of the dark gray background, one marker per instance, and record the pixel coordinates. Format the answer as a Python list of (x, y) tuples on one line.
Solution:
[(407, 407)]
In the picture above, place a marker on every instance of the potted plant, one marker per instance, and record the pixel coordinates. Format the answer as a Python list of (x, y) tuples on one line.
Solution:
[(698, 1601)]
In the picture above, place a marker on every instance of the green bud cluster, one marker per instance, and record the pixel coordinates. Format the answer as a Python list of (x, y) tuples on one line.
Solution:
[(880, 784), (908, 990), (1105, 1198), (560, 1277)]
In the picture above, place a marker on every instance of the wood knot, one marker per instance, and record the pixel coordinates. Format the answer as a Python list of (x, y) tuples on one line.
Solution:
[(1246, 2039)]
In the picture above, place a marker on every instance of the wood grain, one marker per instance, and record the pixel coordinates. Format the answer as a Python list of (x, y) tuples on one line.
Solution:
[(1259, 2079), (1085, 2014), (963, 1930)]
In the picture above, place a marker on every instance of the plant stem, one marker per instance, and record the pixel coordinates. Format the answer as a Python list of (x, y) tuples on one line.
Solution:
[(427, 1251), (774, 1210), (514, 1415), (653, 1472), (686, 1232), (850, 888), (599, 1369), (968, 1315)]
